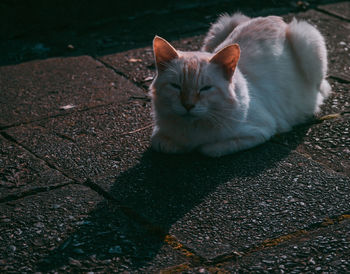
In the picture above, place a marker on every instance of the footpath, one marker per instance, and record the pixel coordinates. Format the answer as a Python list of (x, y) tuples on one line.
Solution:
[(80, 190)]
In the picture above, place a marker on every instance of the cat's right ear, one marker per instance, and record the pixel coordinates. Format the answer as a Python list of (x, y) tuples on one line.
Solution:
[(227, 58), (163, 52)]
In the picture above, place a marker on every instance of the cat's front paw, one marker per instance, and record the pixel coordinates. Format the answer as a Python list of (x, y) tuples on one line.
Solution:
[(164, 144)]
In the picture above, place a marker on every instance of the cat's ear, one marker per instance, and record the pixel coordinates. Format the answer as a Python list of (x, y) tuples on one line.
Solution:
[(163, 52), (227, 58)]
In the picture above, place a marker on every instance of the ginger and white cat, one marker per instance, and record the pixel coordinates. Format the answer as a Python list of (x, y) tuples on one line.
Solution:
[(253, 78)]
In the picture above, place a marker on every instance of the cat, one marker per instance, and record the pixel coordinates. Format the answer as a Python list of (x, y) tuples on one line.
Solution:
[(253, 78)]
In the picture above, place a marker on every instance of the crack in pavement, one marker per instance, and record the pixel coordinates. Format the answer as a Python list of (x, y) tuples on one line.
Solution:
[(95, 187), (320, 9), (339, 79), (33, 191)]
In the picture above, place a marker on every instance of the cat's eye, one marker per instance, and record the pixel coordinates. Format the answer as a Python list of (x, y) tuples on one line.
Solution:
[(205, 88), (176, 86)]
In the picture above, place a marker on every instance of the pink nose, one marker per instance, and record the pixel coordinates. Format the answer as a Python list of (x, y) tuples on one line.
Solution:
[(188, 107)]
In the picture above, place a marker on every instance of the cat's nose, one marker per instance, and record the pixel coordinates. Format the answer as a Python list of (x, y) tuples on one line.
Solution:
[(188, 107)]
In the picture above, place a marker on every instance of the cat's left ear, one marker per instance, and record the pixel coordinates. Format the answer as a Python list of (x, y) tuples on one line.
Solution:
[(163, 52), (227, 58)]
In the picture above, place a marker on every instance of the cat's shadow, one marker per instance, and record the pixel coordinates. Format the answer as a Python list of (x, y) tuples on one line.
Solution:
[(152, 197)]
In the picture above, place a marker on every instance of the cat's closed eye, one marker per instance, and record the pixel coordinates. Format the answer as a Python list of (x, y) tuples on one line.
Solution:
[(205, 88), (175, 86)]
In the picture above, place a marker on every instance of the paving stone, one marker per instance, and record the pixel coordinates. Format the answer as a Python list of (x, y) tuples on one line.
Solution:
[(32, 226), (74, 229), (95, 144), (21, 173), (323, 250), (337, 35), (327, 142), (107, 241), (341, 10), (55, 86)]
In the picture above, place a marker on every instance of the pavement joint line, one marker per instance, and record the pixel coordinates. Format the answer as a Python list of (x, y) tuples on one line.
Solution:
[(96, 58), (339, 79), (31, 192), (54, 116), (64, 136), (268, 243), (328, 221), (186, 251), (50, 165), (95, 187), (320, 9)]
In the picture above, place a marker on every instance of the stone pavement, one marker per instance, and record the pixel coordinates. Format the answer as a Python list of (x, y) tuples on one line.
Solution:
[(80, 190)]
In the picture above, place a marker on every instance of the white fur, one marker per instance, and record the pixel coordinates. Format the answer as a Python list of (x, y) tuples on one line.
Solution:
[(219, 31), (279, 82)]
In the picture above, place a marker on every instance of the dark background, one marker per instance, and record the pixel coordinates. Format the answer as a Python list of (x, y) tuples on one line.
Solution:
[(40, 29)]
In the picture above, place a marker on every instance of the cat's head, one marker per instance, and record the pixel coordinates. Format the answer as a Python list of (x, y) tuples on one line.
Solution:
[(193, 84)]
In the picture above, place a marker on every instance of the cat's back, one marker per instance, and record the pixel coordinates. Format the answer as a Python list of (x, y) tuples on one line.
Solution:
[(258, 36), (260, 29)]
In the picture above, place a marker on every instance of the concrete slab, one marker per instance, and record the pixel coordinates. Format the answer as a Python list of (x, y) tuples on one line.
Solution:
[(74, 229), (32, 226), (107, 241), (95, 144), (342, 9), (22, 174), (327, 143), (39, 89)]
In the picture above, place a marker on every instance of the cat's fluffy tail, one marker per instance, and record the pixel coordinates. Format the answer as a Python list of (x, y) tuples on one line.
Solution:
[(219, 31), (309, 49)]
